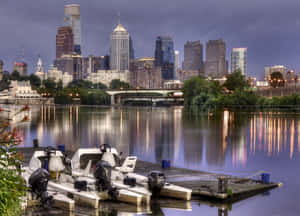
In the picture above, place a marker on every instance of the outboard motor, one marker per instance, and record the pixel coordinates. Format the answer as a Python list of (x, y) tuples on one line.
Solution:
[(102, 175), (105, 147), (156, 180), (38, 182)]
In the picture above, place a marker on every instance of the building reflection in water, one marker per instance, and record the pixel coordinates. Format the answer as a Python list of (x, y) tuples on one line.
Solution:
[(154, 134)]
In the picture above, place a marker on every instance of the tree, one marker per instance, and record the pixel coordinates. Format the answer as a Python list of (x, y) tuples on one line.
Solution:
[(15, 75), (49, 84), (276, 80), (236, 81), (194, 87), (99, 86), (12, 185), (118, 84), (35, 80), (80, 84)]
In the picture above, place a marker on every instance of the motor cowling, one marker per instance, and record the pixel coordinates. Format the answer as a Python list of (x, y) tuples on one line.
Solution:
[(156, 181), (102, 175), (38, 182)]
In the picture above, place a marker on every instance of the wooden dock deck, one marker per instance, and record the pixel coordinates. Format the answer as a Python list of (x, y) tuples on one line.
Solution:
[(206, 185)]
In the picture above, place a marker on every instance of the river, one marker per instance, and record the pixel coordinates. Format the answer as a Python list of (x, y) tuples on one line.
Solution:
[(237, 143)]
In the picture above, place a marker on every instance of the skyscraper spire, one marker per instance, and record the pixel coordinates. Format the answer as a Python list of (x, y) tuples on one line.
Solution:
[(119, 18)]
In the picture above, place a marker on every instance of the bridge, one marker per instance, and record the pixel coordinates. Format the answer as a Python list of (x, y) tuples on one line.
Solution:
[(132, 94)]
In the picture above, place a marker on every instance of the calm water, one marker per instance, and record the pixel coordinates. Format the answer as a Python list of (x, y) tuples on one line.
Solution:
[(235, 143)]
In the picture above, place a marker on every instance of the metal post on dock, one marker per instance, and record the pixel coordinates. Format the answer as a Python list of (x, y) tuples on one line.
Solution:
[(222, 212), (222, 184), (35, 143)]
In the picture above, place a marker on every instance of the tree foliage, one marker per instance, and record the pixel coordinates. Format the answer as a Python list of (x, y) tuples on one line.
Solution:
[(12, 185), (236, 81), (276, 80), (118, 84)]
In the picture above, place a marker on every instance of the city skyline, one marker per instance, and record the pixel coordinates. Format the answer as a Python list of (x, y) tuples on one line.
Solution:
[(34, 28)]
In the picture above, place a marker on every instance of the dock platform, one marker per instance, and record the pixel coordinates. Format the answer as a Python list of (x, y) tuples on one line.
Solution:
[(204, 185)]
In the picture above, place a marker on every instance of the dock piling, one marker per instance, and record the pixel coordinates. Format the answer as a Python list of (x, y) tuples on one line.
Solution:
[(222, 185)]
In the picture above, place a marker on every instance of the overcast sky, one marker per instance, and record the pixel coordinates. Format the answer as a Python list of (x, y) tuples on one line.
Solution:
[(270, 29)]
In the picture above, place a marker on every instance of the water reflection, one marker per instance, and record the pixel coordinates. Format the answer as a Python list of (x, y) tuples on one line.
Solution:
[(169, 133)]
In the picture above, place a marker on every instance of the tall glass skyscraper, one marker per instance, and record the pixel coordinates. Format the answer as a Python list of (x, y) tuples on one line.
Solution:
[(239, 59), (72, 19), (164, 56), (119, 49)]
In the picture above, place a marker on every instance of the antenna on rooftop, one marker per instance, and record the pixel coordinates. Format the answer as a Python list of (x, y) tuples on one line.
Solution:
[(23, 55), (119, 18)]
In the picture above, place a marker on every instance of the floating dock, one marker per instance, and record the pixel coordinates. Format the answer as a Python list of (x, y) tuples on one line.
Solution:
[(217, 189), (205, 185)]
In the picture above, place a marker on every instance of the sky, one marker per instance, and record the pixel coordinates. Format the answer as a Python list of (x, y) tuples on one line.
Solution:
[(270, 29)]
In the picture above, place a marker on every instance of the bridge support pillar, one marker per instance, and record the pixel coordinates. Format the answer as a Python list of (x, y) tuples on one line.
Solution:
[(112, 100)]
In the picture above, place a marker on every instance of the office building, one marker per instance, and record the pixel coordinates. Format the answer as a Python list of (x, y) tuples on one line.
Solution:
[(276, 68), (72, 19), (20, 67), (72, 64), (1, 69), (58, 75), (144, 73), (239, 60), (64, 41), (164, 56), (176, 64), (120, 49), (106, 76), (215, 64), (193, 57)]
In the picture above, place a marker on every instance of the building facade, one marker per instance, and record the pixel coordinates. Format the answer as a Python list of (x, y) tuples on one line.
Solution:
[(144, 74), (64, 41), (58, 75), (164, 57), (72, 64), (239, 60), (120, 49), (1, 69), (106, 76), (276, 68), (20, 67), (40, 70), (72, 19), (215, 64), (22, 89), (187, 74), (193, 57), (176, 64)]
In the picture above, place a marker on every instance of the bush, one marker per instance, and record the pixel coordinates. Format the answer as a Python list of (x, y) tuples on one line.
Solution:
[(12, 185)]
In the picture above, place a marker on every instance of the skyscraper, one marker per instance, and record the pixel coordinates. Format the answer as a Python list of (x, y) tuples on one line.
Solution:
[(215, 65), (1, 69), (120, 49), (176, 65), (72, 19), (193, 56), (164, 56), (239, 59), (20, 67), (64, 41), (131, 50)]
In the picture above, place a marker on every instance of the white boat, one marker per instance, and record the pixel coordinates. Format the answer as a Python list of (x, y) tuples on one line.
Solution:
[(64, 183), (119, 173)]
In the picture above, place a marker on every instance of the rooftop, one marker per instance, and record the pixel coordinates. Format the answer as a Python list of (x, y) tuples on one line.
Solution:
[(120, 28)]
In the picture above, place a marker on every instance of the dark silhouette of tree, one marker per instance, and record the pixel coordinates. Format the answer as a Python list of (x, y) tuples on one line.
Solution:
[(276, 80)]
